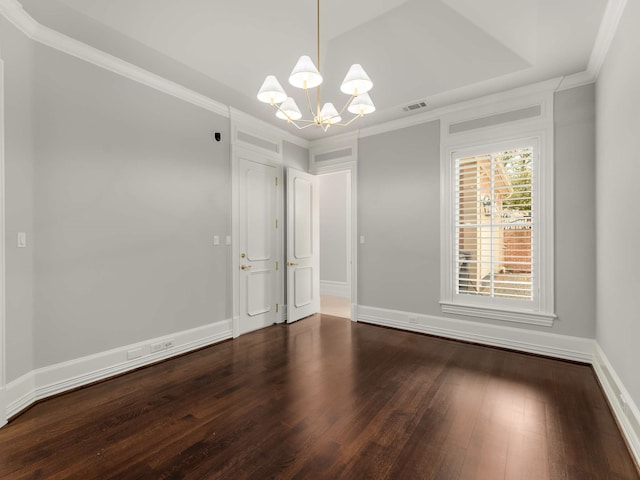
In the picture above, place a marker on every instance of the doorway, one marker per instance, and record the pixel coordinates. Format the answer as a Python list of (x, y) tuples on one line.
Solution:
[(335, 243)]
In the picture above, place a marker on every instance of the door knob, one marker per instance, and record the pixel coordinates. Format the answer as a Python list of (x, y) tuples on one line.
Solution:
[(245, 267), (291, 264)]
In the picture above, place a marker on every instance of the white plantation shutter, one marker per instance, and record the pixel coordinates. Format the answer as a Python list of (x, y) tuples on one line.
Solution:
[(493, 221)]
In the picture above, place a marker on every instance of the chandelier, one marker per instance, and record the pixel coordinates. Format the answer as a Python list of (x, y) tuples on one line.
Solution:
[(306, 76)]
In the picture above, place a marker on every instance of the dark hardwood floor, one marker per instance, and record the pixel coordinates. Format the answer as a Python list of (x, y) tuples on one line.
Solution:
[(327, 398)]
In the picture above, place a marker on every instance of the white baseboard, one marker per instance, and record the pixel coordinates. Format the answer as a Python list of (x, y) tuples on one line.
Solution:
[(20, 393), (335, 289), (524, 340), (59, 378), (627, 413), (3, 421)]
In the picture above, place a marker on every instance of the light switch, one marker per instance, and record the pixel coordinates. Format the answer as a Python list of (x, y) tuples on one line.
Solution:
[(216, 240), (361, 239), (228, 239), (22, 239)]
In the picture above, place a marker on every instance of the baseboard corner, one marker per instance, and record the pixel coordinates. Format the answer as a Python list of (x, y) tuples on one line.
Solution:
[(624, 408)]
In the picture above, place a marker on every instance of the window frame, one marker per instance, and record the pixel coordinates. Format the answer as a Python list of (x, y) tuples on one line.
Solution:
[(539, 130)]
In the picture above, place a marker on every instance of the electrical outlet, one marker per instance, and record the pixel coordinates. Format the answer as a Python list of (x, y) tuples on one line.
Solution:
[(22, 240), (135, 353), (168, 344), (413, 320)]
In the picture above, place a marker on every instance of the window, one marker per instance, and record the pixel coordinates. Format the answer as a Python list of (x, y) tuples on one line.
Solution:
[(496, 207), (493, 224), (498, 230)]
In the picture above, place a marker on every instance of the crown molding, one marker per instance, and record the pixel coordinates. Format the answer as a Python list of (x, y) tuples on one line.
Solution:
[(266, 128), (606, 33), (13, 11), (547, 86), (576, 80)]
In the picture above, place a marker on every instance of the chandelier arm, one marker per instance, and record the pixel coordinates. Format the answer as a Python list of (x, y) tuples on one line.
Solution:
[(323, 123), (311, 124), (346, 105), (292, 121), (306, 91), (346, 124)]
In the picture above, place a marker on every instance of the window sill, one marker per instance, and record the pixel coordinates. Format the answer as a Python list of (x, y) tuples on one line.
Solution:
[(518, 316)]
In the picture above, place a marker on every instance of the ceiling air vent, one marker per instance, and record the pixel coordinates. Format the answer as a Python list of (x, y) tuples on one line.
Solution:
[(415, 106)]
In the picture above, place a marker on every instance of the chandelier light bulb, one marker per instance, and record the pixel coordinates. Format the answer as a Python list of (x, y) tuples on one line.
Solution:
[(271, 91), (305, 74), (362, 105), (329, 114), (356, 81), (289, 110)]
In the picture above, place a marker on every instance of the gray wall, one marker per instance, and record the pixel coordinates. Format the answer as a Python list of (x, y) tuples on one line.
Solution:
[(333, 227), (17, 52), (617, 173), (129, 190), (399, 214), (575, 221), (295, 156)]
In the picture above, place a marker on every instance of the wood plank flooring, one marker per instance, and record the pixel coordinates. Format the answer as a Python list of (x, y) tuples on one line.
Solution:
[(327, 398)]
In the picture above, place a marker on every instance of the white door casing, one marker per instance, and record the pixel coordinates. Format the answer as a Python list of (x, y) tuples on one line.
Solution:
[(258, 244), (303, 241), (3, 404)]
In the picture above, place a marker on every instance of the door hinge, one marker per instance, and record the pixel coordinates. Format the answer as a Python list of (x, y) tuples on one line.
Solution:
[(277, 308), (276, 181), (277, 265), (276, 223)]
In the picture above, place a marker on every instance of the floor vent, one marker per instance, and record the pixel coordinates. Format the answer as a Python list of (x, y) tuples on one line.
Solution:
[(415, 106)]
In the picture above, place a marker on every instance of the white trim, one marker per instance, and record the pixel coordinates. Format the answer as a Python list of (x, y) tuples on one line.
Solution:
[(524, 340), (241, 122), (13, 11), (21, 393), (576, 80), (344, 164), (532, 318), (346, 141), (450, 100), (540, 131), (3, 333), (483, 102), (335, 289), (629, 418), (259, 128), (606, 33), (59, 378)]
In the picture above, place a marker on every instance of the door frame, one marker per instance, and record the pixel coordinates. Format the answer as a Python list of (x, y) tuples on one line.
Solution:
[(349, 205), (341, 153), (259, 146), (3, 345)]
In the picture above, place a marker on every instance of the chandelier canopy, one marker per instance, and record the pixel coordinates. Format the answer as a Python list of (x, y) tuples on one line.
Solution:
[(306, 76)]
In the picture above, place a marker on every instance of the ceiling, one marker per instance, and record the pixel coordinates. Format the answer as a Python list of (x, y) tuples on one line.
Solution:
[(413, 50)]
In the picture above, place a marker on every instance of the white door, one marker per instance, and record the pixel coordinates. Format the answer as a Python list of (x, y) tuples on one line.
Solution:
[(303, 240), (258, 245)]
